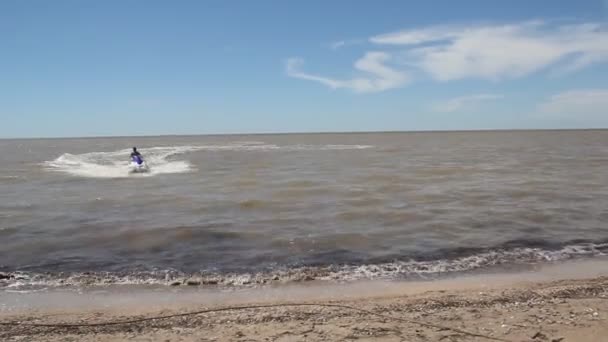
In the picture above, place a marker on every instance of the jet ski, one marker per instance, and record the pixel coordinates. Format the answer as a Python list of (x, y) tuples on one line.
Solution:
[(138, 165)]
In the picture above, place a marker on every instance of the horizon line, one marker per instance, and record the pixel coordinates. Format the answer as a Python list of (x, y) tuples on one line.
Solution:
[(302, 132)]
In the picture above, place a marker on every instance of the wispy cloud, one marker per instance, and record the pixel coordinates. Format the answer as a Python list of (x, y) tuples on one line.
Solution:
[(344, 43), (480, 51), (337, 45), (499, 51), (464, 102), (417, 36), (576, 104), (293, 65), (376, 75)]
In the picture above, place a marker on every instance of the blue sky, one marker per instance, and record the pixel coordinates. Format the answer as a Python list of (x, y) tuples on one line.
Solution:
[(89, 68)]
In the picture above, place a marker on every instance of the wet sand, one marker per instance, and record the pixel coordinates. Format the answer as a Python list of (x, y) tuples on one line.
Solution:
[(558, 303)]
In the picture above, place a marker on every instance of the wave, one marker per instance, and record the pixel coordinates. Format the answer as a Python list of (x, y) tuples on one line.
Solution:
[(115, 164), (396, 269)]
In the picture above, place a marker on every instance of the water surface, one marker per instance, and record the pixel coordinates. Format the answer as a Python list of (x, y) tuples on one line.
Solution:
[(263, 208)]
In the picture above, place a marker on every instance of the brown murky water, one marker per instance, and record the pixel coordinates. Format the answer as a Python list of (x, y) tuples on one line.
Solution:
[(331, 206)]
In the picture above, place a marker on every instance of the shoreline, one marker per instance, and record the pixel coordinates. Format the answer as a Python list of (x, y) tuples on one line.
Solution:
[(517, 258), (563, 302)]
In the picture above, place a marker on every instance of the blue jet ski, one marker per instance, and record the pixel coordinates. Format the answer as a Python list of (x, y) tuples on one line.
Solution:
[(138, 165)]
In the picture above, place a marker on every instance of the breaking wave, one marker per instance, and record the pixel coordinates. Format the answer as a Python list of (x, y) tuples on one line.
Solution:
[(398, 269)]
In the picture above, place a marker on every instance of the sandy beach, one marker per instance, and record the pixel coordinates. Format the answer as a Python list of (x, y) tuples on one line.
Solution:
[(535, 306)]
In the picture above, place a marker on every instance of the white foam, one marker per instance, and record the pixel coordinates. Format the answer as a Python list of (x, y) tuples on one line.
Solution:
[(116, 164), (20, 281), (467, 263)]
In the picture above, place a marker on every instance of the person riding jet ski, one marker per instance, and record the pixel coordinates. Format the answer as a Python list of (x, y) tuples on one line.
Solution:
[(136, 156), (137, 162)]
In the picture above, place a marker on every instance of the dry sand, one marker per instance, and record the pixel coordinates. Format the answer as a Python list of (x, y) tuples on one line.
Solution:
[(537, 310)]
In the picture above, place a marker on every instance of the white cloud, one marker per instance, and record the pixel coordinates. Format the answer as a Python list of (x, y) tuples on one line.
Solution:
[(464, 102), (377, 76), (499, 51), (578, 103), (344, 43), (480, 51), (338, 44), (293, 69), (413, 37)]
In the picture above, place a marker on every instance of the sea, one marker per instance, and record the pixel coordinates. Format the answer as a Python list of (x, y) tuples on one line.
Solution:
[(250, 210)]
